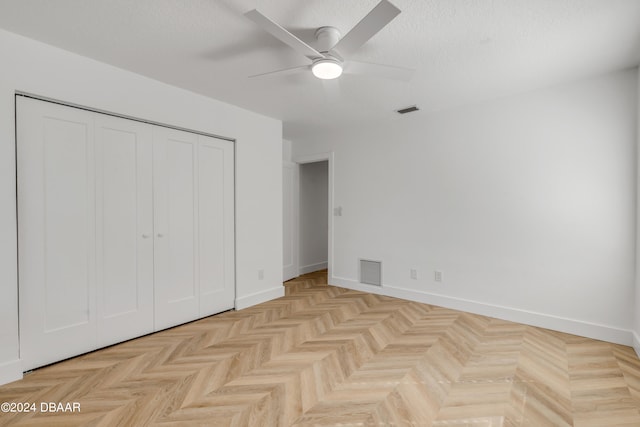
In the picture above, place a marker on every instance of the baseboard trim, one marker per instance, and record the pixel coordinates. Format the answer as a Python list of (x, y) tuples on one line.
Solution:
[(289, 273), (636, 342), (10, 371), (542, 320), (259, 297), (312, 267)]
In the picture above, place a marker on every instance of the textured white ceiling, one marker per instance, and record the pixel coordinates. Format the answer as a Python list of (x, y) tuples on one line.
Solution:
[(463, 50)]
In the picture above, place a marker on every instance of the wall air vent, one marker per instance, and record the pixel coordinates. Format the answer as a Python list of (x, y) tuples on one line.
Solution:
[(408, 110), (371, 272)]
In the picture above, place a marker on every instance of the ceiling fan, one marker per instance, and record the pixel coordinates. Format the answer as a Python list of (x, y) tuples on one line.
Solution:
[(328, 60)]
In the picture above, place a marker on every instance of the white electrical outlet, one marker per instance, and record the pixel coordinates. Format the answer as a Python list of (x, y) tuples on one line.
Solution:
[(260, 274), (437, 276), (414, 273)]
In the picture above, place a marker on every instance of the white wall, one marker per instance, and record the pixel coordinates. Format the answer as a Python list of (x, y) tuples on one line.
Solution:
[(636, 326), (526, 204), (40, 69), (314, 195)]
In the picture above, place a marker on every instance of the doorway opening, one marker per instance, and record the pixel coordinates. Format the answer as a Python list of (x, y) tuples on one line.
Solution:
[(308, 223), (314, 218)]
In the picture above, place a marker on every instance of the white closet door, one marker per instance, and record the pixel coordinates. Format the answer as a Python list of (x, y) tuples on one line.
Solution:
[(56, 231), (216, 225), (175, 173), (124, 228), (124, 221)]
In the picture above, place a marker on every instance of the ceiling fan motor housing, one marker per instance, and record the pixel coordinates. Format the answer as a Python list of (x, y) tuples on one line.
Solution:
[(327, 38)]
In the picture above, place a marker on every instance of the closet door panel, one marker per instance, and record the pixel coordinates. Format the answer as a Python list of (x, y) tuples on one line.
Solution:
[(181, 226), (125, 229), (176, 227), (56, 231), (216, 216)]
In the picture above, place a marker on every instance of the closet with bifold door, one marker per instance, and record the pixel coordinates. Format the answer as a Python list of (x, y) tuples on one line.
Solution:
[(124, 228)]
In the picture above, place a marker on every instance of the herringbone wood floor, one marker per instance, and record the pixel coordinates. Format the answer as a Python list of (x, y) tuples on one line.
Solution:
[(329, 356)]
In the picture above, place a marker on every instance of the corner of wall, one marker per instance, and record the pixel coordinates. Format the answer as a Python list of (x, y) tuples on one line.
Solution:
[(636, 343)]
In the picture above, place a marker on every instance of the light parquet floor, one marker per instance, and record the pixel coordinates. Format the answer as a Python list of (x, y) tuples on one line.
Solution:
[(323, 355)]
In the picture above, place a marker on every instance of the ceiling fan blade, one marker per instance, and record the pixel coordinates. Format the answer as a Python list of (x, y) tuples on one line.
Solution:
[(283, 35), (378, 70), (375, 20), (285, 71)]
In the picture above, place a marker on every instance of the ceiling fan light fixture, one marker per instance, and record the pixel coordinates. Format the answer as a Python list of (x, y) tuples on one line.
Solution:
[(326, 69)]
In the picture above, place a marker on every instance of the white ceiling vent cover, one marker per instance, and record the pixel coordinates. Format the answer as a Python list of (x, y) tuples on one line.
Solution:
[(371, 272)]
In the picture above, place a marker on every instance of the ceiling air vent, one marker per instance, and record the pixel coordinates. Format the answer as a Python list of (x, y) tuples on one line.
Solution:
[(408, 110), (371, 272)]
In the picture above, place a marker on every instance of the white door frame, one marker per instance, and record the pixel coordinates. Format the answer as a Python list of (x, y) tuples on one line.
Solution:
[(320, 157), (292, 270)]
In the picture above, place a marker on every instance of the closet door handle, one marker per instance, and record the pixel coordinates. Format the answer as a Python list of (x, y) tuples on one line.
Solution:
[(160, 235), (146, 236)]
